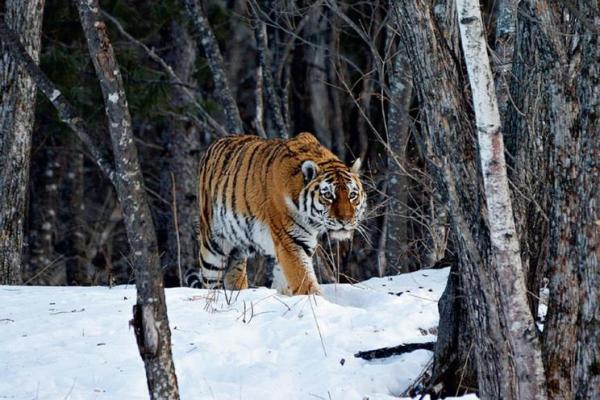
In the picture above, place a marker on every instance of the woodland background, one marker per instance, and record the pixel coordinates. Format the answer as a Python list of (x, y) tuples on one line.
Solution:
[(384, 81)]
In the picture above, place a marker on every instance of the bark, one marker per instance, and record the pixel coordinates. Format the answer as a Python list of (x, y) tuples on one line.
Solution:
[(316, 81), (17, 105), (506, 26), (150, 320), (453, 358), (183, 152), (396, 178), (217, 66), (520, 327), (556, 138), (270, 90), (448, 133)]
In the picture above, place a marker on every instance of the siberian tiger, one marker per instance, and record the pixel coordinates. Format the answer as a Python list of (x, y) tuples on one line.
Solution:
[(274, 197)]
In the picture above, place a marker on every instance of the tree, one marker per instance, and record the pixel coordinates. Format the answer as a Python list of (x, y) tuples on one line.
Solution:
[(555, 143), (150, 319), (17, 105), (518, 322), (482, 349)]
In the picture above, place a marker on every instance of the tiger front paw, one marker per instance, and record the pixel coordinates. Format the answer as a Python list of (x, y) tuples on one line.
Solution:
[(307, 288)]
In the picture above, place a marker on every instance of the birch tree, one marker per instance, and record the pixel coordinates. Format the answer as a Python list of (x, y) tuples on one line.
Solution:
[(17, 104), (521, 330)]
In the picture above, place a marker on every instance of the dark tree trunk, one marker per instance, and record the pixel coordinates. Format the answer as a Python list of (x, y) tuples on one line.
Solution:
[(17, 105), (315, 59), (183, 150), (150, 320), (78, 270), (207, 39), (398, 121), (45, 266), (556, 139)]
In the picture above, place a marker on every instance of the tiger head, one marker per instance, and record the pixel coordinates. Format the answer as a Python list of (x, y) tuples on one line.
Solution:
[(333, 198)]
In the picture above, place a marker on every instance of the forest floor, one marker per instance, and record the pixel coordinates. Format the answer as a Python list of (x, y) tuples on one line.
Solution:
[(75, 342)]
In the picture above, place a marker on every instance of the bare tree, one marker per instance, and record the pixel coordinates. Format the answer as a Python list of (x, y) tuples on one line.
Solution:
[(178, 177), (17, 104)]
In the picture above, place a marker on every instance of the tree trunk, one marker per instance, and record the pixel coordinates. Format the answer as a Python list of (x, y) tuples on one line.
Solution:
[(506, 254), (78, 270), (150, 312), (17, 105), (557, 139), (316, 80), (448, 133), (183, 151), (45, 266), (217, 66), (398, 121)]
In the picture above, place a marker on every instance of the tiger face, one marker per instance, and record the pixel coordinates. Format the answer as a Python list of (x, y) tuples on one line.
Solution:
[(333, 199)]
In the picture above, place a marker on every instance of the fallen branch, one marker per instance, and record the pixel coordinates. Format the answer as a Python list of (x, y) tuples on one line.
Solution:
[(385, 352)]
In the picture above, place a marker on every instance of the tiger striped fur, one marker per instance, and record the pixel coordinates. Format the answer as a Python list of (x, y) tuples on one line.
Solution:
[(274, 197)]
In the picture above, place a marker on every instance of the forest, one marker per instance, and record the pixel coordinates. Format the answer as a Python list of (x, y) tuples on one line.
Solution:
[(476, 122)]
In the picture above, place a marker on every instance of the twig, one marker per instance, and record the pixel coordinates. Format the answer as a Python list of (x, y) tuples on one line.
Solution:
[(51, 264), (174, 205), (317, 323)]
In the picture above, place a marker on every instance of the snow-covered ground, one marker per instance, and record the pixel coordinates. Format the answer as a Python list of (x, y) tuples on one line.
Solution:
[(75, 342)]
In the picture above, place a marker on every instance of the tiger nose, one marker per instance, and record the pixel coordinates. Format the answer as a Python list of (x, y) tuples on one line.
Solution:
[(347, 222)]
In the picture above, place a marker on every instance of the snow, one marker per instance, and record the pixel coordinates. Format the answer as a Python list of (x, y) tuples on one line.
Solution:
[(75, 342)]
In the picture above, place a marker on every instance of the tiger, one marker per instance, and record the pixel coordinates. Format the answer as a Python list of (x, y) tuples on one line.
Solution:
[(274, 197)]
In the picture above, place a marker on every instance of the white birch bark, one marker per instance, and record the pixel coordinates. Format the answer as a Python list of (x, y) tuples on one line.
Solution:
[(519, 322)]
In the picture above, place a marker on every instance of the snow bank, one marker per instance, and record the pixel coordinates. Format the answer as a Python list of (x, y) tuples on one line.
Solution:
[(75, 343)]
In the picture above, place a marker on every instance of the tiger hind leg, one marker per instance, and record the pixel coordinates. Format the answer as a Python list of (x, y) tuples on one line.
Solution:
[(236, 277), (212, 268)]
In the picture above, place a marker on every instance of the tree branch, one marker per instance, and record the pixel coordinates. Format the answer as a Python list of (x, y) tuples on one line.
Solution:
[(66, 112), (184, 87)]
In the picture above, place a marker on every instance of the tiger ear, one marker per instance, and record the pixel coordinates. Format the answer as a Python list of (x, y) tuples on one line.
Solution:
[(310, 170), (356, 166)]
